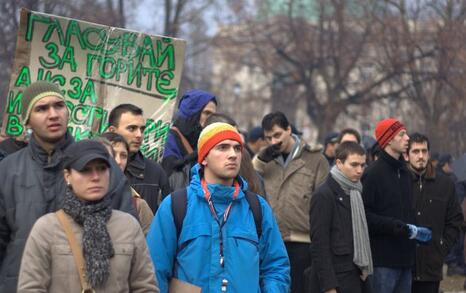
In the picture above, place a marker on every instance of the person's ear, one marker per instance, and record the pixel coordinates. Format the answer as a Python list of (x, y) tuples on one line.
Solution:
[(111, 128), (67, 174), (204, 163)]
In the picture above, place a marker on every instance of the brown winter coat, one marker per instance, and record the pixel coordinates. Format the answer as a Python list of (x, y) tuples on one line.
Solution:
[(48, 264), (289, 189)]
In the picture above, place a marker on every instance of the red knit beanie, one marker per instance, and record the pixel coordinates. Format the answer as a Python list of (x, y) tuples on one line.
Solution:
[(386, 130)]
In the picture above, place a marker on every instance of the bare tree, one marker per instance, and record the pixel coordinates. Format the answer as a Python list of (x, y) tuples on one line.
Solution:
[(432, 36), (330, 62)]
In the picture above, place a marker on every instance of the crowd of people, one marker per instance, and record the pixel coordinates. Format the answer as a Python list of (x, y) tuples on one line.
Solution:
[(224, 211)]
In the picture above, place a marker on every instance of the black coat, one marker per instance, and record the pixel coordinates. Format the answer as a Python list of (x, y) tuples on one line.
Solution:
[(148, 179), (332, 240), (437, 208), (387, 197)]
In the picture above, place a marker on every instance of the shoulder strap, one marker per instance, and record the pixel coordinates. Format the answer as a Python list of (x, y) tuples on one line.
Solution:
[(180, 202), (75, 249), (183, 139), (179, 206), (256, 209)]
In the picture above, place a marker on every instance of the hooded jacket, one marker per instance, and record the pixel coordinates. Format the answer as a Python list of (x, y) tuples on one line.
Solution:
[(437, 208), (251, 264), (187, 121), (32, 185)]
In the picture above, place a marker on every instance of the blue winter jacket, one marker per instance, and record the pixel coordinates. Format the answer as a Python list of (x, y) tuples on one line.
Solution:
[(251, 264)]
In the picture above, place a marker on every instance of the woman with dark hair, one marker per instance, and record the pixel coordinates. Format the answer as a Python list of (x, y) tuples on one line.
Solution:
[(119, 149), (86, 246)]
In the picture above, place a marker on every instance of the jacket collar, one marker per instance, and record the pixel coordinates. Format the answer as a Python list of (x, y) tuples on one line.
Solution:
[(218, 192), (429, 173), (55, 158), (396, 164), (338, 192), (136, 165)]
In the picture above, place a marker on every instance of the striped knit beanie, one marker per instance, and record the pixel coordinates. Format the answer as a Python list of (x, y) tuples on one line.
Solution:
[(34, 93), (386, 130), (212, 135)]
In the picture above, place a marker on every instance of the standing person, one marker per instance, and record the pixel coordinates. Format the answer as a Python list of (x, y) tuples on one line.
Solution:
[(114, 251), (119, 150), (436, 207), (330, 144), (341, 252), (218, 247), (255, 141), (387, 196), (349, 134), (31, 181), (145, 176), (179, 155), (291, 170)]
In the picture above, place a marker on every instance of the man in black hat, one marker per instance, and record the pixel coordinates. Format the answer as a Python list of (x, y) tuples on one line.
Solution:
[(31, 179), (330, 145)]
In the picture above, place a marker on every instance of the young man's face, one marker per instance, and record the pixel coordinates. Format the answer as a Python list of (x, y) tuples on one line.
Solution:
[(352, 167), (48, 119), (208, 110), (278, 135), (418, 156), (399, 143), (223, 162), (131, 127)]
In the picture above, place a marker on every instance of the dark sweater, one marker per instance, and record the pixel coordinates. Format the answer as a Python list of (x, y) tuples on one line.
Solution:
[(387, 196)]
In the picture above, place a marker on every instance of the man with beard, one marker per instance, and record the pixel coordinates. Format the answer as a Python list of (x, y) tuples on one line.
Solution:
[(180, 152), (437, 208)]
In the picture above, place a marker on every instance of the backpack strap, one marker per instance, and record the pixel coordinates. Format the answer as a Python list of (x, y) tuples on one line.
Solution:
[(179, 206), (256, 209), (180, 203)]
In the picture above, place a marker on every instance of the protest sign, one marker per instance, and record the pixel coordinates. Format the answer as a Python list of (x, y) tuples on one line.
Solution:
[(98, 67)]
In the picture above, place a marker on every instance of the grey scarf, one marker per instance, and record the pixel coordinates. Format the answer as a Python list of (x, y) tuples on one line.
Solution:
[(96, 243), (362, 250)]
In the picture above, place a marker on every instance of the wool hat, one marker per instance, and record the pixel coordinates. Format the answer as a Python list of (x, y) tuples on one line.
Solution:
[(34, 93), (332, 137), (386, 130), (79, 154), (255, 134), (212, 135)]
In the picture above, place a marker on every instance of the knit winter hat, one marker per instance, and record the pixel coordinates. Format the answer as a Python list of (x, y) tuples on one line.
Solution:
[(34, 93), (212, 135), (386, 130)]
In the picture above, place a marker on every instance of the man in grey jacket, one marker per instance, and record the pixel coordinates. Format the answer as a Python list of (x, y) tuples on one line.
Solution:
[(31, 179)]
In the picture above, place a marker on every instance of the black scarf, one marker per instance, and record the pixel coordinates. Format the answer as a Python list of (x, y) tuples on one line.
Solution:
[(96, 243)]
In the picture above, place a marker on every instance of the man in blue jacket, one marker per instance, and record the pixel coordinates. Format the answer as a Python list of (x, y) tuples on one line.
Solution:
[(218, 248)]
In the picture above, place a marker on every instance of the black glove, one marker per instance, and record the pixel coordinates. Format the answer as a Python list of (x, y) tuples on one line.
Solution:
[(270, 153), (401, 229)]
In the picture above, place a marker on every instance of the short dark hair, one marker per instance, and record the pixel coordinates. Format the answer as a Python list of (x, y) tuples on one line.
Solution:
[(275, 118), (114, 138), (418, 138), (351, 131), (219, 117), (347, 148), (115, 114)]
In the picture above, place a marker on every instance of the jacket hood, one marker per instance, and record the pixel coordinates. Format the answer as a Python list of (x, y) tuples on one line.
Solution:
[(219, 192), (192, 102)]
